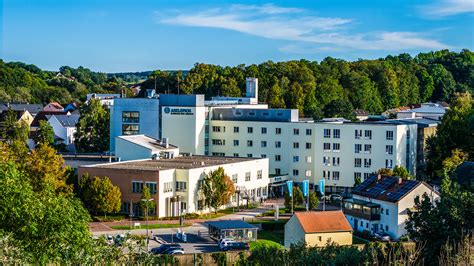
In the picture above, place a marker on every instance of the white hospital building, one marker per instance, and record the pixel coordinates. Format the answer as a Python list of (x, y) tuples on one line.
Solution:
[(335, 149)]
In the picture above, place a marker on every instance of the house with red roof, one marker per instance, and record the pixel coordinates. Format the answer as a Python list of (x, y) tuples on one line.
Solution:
[(53, 107), (318, 228)]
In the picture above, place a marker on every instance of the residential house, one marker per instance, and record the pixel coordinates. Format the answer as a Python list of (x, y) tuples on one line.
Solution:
[(33, 109), (426, 110), (106, 99), (64, 127), (381, 204), (316, 229), (53, 107)]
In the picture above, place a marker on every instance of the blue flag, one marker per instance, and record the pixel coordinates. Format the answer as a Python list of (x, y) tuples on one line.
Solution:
[(290, 187), (321, 186), (305, 188)]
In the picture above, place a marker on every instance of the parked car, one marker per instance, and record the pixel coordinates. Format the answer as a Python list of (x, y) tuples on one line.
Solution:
[(118, 240), (382, 236), (165, 247), (158, 239), (236, 246), (109, 239), (225, 242), (174, 251)]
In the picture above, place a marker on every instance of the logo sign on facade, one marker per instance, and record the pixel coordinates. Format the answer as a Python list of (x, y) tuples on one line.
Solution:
[(178, 111)]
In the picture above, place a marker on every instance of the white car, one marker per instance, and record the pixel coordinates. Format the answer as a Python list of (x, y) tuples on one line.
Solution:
[(382, 236), (175, 251)]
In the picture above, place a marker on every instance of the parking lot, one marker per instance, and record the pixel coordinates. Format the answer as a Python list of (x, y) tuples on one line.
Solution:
[(193, 244)]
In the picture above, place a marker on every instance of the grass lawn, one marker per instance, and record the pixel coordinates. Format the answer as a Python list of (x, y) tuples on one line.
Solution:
[(150, 226), (268, 239), (358, 240)]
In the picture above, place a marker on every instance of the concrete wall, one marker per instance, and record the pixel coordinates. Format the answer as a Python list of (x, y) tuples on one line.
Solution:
[(294, 233), (321, 239), (126, 150)]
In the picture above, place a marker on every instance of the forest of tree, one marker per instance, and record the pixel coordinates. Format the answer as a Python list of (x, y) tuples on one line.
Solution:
[(332, 87)]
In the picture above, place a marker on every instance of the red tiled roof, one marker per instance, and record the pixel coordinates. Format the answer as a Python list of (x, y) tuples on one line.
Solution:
[(56, 105), (323, 221)]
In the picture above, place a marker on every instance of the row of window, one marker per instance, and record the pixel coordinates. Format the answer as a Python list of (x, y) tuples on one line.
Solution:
[(137, 186), (336, 133), (358, 162), (263, 130), (358, 175), (263, 143), (336, 147), (336, 161), (335, 175), (368, 148)]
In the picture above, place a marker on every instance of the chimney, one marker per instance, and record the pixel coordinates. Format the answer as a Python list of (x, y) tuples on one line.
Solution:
[(379, 176), (400, 180), (166, 142)]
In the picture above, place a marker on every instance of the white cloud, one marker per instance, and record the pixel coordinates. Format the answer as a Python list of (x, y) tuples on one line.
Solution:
[(296, 25), (443, 8)]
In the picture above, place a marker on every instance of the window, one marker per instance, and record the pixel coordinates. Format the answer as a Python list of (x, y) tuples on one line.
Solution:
[(249, 143), (309, 132), (277, 157), (308, 145), (218, 154), (327, 133), (168, 187), (327, 174), (236, 129), (278, 131), (296, 158), (308, 173), (320, 238), (236, 142), (218, 142), (263, 144), (368, 148), (180, 186), (386, 211), (327, 146), (357, 162), (335, 161), (296, 131), (335, 175), (336, 147), (277, 144), (308, 159), (389, 135), (236, 154), (358, 133), (389, 149), (357, 148), (247, 176), (386, 228), (216, 129), (296, 145), (259, 174), (368, 134), (151, 187), (249, 155), (263, 155), (327, 161), (264, 130), (296, 172), (200, 205), (277, 171), (128, 129), (367, 163), (131, 117), (336, 133), (137, 186), (357, 175), (366, 175), (250, 130)]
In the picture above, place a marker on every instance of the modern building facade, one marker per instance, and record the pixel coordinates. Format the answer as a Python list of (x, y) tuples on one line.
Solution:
[(138, 147), (175, 183), (337, 150), (381, 203)]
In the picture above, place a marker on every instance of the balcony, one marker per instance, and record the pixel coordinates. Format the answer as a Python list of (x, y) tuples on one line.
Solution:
[(362, 209)]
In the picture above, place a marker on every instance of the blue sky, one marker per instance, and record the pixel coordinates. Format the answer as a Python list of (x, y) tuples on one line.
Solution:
[(136, 35)]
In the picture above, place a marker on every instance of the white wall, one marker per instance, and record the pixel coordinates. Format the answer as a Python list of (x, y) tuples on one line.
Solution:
[(126, 150)]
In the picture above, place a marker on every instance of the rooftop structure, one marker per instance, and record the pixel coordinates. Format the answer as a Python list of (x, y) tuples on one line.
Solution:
[(33, 109), (245, 114), (183, 162), (136, 147), (66, 120), (427, 110)]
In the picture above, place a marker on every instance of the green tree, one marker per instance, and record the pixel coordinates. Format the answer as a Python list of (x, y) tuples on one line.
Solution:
[(357, 180), (275, 98), (99, 194), (402, 172), (217, 189), (147, 203), (14, 130), (298, 198), (340, 108), (313, 200), (44, 134), (93, 128), (42, 224)]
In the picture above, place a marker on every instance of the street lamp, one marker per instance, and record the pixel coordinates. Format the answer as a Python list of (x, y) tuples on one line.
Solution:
[(146, 220)]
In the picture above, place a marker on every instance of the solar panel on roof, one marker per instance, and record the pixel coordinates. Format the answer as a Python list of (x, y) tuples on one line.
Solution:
[(365, 184), (386, 183)]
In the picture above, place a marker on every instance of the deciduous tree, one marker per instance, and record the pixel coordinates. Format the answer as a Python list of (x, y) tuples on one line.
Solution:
[(44, 134), (217, 189), (93, 128), (99, 194)]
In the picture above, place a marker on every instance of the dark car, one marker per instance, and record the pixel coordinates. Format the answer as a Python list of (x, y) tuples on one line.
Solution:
[(236, 246), (164, 248)]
